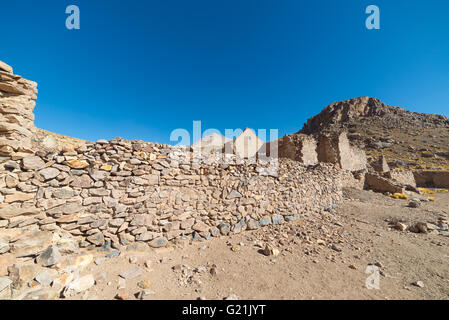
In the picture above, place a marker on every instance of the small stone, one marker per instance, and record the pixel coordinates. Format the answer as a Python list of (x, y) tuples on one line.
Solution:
[(400, 226), (270, 250), (106, 168), (121, 283), (200, 227), (33, 163), (232, 296), (4, 246), (336, 248), (132, 259), (77, 164), (415, 203), (379, 264), (224, 229), (215, 232), (265, 222), (277, 219), (101, 277), (144, 284), (49, 257), (99, 261), (422, 227), (131, 273), (144, 293), (158, 242), (96, 239), (419, 284), (4, 283), (148, 264), (79, 285), (45, 278), (113, 254), (49, 173), (122, 295), (234, 195)]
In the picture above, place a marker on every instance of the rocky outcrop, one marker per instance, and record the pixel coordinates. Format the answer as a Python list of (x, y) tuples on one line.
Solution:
[(17, 102), (340, 114), (408, 140)]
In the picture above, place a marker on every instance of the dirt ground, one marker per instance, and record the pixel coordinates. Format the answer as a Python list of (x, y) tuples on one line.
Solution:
[(321, 256)]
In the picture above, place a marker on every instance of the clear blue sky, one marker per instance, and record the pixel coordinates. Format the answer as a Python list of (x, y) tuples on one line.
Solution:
[(140, 69)]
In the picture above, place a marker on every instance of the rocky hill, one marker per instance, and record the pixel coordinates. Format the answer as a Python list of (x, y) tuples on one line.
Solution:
[(407, 139)]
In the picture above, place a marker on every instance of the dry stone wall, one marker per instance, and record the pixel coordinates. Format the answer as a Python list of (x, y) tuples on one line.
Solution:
[(131, 191), (124, 191), (432, 179)]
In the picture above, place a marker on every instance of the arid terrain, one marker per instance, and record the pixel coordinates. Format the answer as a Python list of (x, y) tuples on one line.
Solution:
[(131, 220), (321, 257)]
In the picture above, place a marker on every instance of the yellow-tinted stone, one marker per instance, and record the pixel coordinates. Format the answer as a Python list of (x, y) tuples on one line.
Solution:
[(77, 164)]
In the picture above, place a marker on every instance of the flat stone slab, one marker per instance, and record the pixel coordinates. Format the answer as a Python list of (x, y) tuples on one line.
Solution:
[(4, 283), (131, 273)]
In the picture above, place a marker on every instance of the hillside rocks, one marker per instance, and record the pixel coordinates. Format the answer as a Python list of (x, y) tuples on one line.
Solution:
[(17, 101), (340, 114), (408, 140)]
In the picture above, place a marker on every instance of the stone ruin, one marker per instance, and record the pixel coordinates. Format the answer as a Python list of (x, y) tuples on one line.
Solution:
[(17, 102), (122, 191), (298, 147), (337, 149)]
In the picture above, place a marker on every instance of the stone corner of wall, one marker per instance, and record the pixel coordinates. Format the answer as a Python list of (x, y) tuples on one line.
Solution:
[(17, 102)]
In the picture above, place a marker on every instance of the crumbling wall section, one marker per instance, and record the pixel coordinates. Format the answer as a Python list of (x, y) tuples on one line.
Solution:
[(299, 147), (17, 102), (432, 179), (335, 148)]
